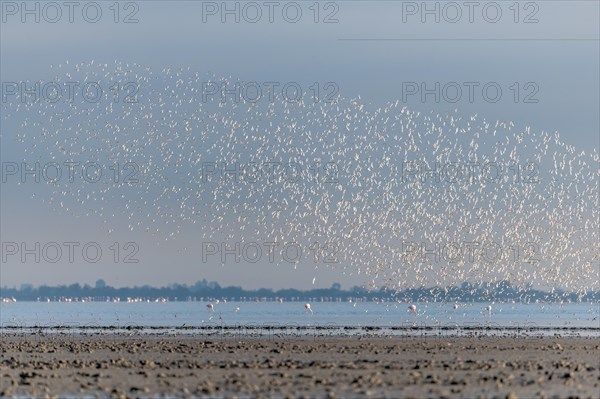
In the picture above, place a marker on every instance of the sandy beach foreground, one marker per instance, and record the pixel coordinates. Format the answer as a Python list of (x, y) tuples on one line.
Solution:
[(187, 366)]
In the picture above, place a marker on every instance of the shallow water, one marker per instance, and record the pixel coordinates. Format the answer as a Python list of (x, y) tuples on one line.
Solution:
[(359, 314)]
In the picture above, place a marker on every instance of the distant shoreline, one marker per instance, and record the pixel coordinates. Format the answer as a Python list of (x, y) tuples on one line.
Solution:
[(204, 290)]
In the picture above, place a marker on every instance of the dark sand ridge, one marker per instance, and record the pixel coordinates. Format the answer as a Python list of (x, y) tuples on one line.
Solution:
[(187, 366)]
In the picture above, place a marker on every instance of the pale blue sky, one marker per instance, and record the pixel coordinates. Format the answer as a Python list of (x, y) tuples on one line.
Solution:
[(172, 34)]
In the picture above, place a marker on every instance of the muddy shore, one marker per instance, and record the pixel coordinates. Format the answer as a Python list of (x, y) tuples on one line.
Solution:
[(187, 366)]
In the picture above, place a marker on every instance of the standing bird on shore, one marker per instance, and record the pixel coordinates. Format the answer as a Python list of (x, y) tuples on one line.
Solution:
[(308, 308), (210, 307), (412, 309)]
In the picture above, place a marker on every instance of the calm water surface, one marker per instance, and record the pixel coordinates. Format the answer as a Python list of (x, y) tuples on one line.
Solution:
[(360, 314)]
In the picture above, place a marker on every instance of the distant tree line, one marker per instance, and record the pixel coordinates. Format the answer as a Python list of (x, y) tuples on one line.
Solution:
[(204, 290)]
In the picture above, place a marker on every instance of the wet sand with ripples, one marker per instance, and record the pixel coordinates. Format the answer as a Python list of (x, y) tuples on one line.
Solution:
[(188, 366)]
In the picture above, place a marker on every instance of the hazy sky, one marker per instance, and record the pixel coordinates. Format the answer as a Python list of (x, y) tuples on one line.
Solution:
[(555, 59)]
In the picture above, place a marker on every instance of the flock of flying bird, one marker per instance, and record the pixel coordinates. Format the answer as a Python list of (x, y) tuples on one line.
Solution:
[(402, 197)]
